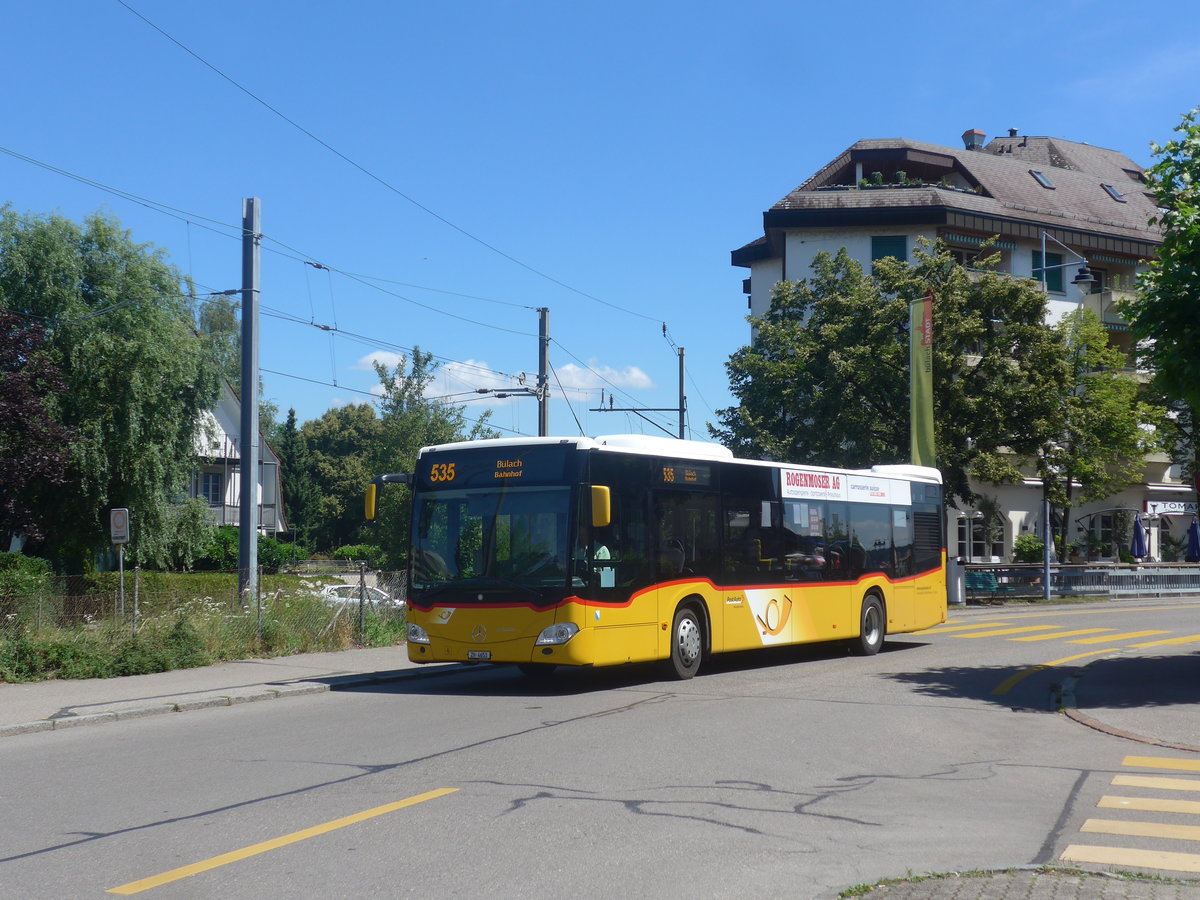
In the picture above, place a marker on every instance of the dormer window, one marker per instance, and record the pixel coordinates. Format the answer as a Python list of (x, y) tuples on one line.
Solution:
[(1041, 179), (1114, 193)]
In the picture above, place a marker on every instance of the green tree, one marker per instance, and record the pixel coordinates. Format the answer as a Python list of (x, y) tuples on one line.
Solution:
[(1163, 314), (343, 445), (33, 445), (188, 532), (120, 330), (824, 377), (825, 380), (1103, 429), (299, 491)]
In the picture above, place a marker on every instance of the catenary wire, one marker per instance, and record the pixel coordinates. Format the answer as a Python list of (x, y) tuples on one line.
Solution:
[(377, 178)]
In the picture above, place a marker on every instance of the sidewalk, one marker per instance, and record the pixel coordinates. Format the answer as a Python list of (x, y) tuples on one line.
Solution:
[(51, 705), (1151, 700)]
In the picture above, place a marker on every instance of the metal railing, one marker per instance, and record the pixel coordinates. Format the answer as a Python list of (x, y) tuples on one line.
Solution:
[(990, 583)]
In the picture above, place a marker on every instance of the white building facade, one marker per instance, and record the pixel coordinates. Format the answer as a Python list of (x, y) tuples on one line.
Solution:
[(1076, 204), (217, 479)]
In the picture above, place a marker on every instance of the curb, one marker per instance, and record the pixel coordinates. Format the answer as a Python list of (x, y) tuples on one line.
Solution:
[(1067, 701), (140, 709)]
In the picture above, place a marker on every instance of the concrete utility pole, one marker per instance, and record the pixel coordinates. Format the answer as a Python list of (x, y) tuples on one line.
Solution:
[(248, 442), (682, 397), (543, 385)]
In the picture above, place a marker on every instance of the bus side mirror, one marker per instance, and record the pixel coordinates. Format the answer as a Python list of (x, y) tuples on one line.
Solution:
[(601, 506), (372, 496)]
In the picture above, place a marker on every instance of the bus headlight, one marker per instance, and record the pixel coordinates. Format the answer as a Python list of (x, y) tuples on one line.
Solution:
[(417, 634), (557, 634)]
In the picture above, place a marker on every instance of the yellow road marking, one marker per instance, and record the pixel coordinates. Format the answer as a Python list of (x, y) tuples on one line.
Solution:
[(1118, 637), (1162, 762), (1138, 859), (1142, 829), (1100, 612), (954, 626), (1146, 804), (145, 884), (1158, 784), (1011, 682), (1187, 639), (1003, 631), (1061, 634)]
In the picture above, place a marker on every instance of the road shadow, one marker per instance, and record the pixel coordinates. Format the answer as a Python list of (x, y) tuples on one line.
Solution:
[(1113, 682), (1127, 682), (503, 680)]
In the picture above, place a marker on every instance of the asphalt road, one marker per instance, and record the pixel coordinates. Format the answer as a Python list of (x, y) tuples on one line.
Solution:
[(786, 774)]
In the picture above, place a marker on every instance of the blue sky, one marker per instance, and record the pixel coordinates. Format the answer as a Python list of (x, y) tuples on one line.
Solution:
[(488, 158)]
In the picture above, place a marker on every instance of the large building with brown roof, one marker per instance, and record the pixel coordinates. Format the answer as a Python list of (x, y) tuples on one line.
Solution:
[(1077, 204)]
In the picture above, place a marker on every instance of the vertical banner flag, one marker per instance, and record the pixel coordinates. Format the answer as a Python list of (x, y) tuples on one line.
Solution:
[(920, 331)]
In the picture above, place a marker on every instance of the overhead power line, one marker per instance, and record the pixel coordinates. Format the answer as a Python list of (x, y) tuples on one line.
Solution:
[(377, 178), (340, 387)]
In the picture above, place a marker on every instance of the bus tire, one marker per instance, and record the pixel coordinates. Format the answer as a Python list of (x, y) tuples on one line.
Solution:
[(872, 626), (687, 643)]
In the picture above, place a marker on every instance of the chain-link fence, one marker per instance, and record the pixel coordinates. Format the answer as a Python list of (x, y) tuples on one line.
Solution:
[(105, 624)]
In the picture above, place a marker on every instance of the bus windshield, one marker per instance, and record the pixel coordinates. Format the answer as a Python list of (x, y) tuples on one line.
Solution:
[(484, 537)]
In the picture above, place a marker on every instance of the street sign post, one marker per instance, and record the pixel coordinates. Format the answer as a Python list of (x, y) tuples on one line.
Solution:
[(118, 526)]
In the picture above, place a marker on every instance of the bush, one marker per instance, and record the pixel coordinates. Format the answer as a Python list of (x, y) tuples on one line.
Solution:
[(1028, 548), (222, 553)]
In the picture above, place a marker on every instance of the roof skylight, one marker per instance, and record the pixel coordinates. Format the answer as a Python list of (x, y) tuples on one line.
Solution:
[(1041, 179)]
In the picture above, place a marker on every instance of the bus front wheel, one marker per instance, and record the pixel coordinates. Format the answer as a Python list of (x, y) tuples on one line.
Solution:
[(687, 643), (870, 635)]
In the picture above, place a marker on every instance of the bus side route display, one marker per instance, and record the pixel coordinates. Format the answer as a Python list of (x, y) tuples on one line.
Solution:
[(685, 475)]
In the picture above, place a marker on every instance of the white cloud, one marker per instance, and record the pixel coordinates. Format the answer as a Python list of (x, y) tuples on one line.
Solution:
[(596, 376), (387, 358)]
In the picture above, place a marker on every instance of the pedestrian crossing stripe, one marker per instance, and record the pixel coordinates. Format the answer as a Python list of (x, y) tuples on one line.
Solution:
[(1169, 642), (956, 626), (1004, 631), (1138, 859), (1162, 762), (1161, 860), (1057, 635), (1118, 637), (1147, 804), (1158, 784), (1142, 829)]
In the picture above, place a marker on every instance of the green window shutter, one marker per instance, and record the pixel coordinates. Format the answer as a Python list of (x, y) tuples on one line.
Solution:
[(1054, 272), (892, 245)]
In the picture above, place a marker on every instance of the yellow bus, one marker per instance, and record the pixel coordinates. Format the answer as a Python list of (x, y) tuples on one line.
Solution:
[(624, 549)]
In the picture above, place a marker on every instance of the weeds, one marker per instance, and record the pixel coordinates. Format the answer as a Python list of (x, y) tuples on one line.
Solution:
[(183, 621)]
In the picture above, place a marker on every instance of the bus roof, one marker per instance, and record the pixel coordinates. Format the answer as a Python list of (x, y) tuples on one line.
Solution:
[(682, 449)]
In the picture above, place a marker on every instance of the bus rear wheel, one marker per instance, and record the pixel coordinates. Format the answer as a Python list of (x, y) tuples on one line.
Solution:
[(872, 627), (687, 643)]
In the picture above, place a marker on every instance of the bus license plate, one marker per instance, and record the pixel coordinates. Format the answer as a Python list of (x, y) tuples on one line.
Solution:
[(479, 654)]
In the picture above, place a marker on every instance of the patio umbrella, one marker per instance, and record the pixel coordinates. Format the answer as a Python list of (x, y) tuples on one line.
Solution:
[(1193, 547), (1138, 549)]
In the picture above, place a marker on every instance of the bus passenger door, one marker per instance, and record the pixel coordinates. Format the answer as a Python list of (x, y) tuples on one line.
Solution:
[(687, 556), (901, 612)]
